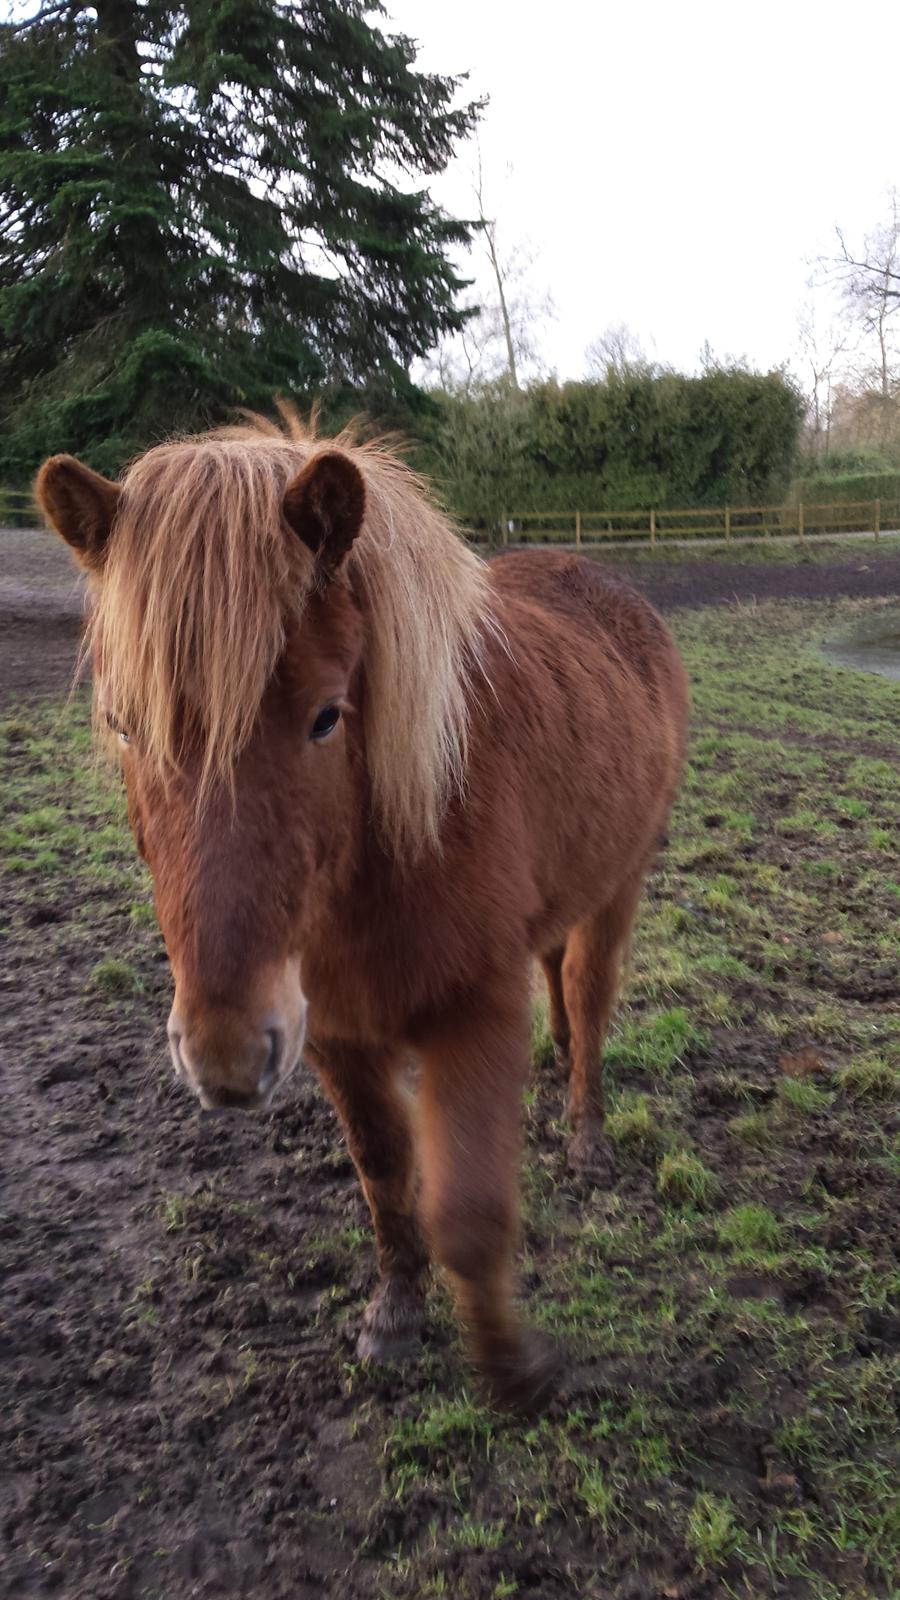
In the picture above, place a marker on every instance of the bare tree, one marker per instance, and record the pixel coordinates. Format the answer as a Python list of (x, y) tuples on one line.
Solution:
[(502, 340), (822, 345), (870, 279), (489, 234), (618, 351)]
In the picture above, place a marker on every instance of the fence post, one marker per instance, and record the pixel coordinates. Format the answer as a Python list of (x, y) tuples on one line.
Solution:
[(653, 527), (578, 530), (801, 523), (504, 529), (877, 516), (727, 524)]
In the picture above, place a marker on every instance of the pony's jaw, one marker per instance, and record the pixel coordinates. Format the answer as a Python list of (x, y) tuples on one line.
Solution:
[(238, 1059)]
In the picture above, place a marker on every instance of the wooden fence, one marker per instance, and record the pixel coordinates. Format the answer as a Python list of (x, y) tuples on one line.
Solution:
[(726, 523), (18, 509)]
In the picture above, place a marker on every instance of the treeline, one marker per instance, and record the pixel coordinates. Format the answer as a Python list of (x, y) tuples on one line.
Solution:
[(628, 442), (631, 441)]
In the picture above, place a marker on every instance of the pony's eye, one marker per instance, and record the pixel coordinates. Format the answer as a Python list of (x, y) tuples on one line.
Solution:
[(120, 732), (325, 723)]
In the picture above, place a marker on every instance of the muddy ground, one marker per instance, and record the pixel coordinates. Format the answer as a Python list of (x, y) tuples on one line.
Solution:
[(183, 1415)]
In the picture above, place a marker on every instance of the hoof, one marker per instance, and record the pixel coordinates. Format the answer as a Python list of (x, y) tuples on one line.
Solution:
[(590, 1153), (525, 1384), (391, 1326)]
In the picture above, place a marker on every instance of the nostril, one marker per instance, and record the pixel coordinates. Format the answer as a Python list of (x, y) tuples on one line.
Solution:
[(272, 1069)]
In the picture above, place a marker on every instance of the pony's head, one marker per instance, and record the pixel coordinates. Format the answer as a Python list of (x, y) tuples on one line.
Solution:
[(281, 633)]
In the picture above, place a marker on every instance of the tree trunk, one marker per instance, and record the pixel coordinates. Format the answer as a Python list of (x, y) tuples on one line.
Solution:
[(504, 309)]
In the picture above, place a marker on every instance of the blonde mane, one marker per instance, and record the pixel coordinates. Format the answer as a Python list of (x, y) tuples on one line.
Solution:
[(188, 620)]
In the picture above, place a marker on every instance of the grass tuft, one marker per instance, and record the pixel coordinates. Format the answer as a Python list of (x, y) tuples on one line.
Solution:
[(655, 1044), (749, 1228), (632, 1125), (115, 977), (598, 1495), (870, 1078), (800, 1097), (683, 1180), (712, 1532), (752, 1128)]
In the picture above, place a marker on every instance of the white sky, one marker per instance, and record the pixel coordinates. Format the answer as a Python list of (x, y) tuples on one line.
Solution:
[(676, 166)]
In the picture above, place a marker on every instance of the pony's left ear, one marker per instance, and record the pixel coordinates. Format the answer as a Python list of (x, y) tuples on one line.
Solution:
[(325, 505), (80, 505)]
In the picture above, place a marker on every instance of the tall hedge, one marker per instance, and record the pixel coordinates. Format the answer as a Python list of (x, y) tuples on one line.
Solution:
[(829, 488), (631, 442)]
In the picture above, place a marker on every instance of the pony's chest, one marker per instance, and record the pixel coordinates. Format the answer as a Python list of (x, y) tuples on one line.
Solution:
[(373, 965), (361, 983)]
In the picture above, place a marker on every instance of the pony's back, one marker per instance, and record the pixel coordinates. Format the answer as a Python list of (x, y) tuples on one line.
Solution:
[(596, 603), (575, 756)]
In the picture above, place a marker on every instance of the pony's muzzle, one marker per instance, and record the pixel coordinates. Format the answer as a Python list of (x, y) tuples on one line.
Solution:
[(233, 1064)]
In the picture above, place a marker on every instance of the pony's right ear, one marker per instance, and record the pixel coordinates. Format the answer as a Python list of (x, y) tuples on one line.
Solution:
[(325, 505), (80, 505)]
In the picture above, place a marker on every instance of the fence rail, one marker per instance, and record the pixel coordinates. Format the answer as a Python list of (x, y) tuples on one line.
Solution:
[(730, 523), (711, 522), (18, 509)]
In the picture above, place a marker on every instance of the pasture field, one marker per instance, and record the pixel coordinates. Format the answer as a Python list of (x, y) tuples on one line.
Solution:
[(184, 1415)]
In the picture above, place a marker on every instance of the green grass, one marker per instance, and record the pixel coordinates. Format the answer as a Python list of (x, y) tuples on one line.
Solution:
[(543, 1049), (653, 1045), (748, 1228), (631, 1124), (870, 1078), (753, 1127), (712, 1532), (799, 1097), (684, 1180), (598, 1496), (113, 976), (62, 813)]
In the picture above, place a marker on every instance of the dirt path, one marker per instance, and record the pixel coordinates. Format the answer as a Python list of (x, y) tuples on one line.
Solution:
[(715, 583)]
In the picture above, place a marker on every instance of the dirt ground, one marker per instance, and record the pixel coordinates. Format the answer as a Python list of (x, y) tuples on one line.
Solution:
[(183, 1415)]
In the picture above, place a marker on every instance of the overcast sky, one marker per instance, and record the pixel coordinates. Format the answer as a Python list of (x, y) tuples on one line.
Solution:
[(675, 166)]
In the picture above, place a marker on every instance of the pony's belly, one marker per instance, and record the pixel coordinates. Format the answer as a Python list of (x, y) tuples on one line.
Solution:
[(586, 873)]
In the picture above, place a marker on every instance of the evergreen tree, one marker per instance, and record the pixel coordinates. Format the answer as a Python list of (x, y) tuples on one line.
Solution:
[(203, 202)]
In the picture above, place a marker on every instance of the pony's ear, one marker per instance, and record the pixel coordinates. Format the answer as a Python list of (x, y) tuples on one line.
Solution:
[(325, 505), (80, 505)]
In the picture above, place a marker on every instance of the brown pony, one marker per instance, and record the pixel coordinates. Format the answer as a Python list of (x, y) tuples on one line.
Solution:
[(373, 777)]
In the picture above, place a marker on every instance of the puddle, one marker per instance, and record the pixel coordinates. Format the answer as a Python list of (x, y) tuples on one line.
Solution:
[(875, 647)]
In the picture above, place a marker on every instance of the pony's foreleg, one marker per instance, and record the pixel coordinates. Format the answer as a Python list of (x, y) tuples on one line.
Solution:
[(363, 1087), (473, 1071), (590, 974)]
